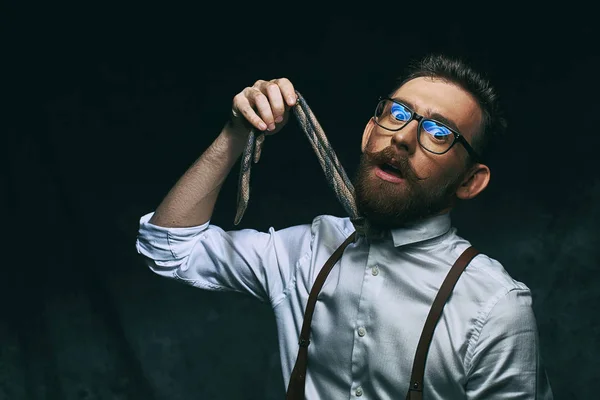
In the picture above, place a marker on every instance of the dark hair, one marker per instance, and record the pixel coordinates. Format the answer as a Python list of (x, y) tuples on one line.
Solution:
[(458, 72)]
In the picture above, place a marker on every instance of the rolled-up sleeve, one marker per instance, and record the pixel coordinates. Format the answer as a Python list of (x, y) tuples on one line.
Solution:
[(258, 263), (505, 362)]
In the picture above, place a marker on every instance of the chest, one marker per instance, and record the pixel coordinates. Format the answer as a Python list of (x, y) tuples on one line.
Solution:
[(370, 314)]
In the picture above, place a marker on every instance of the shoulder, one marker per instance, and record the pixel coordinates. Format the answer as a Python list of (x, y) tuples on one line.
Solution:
[(486, 270), (494, 302), (492, 270), (499, 293), (485, 282)]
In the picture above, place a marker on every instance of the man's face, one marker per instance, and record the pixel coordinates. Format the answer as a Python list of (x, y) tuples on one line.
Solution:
[(426, 183)]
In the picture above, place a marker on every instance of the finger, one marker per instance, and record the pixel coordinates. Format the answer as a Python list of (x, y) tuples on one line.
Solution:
[(262, 106), (287, 90), (275, 100), (242, 105)]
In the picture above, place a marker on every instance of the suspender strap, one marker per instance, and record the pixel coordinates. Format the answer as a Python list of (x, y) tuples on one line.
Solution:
[(296, 385), (415, 391), (297, 379)]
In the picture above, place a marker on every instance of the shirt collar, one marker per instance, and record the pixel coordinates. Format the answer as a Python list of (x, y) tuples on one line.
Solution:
[(425, 229)]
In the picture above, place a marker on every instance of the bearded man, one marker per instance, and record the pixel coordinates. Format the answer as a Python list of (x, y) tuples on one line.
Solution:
[(422, 151)]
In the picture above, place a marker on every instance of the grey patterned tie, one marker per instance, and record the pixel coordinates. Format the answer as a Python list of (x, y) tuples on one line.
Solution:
[(334, 172)]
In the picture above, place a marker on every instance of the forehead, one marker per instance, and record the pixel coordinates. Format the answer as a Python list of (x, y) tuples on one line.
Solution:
[(432, 95)]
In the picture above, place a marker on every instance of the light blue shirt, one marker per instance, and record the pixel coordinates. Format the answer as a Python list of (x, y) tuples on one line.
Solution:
[(371, 310)]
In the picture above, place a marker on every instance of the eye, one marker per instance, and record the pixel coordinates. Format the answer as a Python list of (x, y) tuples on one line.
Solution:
[(437, 131), (400, 112)]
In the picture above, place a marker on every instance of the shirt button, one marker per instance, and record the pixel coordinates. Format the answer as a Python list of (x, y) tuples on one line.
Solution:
[(375, 270), (361, 331), (359, 391)]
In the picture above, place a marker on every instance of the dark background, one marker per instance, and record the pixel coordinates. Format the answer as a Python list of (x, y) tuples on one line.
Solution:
[(107, 104)]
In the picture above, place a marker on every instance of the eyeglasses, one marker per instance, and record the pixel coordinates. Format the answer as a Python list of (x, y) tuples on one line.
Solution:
[(432, 135)]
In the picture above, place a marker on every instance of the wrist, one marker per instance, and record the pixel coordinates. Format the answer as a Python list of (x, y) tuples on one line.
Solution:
[(236, 135)]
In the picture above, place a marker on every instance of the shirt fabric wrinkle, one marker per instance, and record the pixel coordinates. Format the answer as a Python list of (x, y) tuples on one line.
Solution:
[(478, 326)]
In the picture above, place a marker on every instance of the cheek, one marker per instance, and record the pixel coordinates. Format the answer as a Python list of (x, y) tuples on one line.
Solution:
[(433, 169), (449, 176)]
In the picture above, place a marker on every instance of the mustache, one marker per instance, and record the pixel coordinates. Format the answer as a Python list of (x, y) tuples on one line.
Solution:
[(401, 162)]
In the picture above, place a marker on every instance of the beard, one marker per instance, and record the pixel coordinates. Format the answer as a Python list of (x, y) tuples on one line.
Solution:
[(386, 205)]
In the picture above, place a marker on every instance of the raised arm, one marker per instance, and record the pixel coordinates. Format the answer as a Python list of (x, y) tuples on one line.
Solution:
[(190, 202)]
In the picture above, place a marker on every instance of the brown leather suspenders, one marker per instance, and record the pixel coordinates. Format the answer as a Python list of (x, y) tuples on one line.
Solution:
[(415, 392)]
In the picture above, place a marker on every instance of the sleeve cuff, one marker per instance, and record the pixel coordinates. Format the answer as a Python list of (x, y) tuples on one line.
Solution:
[(162, 244)]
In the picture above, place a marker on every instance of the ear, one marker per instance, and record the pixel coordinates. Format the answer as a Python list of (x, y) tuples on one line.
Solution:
[(367, 134), (474, 183)]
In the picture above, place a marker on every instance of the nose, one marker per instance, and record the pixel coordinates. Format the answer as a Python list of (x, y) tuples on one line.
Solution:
[(405, 140)]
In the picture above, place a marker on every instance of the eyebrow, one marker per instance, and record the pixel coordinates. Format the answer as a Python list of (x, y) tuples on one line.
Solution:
[(430, 114)]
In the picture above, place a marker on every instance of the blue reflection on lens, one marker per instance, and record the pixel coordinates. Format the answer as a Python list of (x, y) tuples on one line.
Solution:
[(400, 112), (436, 130)]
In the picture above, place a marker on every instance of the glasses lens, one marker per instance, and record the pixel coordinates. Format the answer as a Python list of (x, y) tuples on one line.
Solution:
[(391, 115), (435, 137)]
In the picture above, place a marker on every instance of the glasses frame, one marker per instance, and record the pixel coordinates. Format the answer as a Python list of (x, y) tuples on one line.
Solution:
[(458, 137)]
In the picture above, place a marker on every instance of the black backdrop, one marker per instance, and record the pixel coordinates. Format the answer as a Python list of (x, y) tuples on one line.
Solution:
[(108, 104)]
